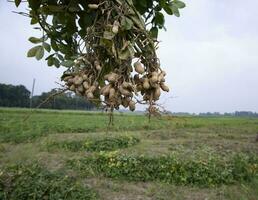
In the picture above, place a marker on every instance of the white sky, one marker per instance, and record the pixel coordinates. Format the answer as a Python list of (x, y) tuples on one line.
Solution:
[(210, 54)]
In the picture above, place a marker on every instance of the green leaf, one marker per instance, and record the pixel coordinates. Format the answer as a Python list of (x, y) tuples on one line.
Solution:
[(51, 55), (50, 61), (162, 3), (32, 52), (54, 45), (17, 2), (35, 40), (159, 19), (175, 10), (64, 48), (143, 3), (168, 9), (34, 4), (82, 33), (47, 47), (154, 32), (127, 53), (106, 43), (34, 21), (126, 23), (56, 62), (67, 63), (40, 53), (179, 4), (60, 57), (86, 19), (158, 8)]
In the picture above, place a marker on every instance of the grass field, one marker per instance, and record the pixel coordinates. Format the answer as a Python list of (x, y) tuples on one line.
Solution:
[(72, 155)]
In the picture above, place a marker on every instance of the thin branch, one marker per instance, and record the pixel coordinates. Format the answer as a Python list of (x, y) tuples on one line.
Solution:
[(45, 101)]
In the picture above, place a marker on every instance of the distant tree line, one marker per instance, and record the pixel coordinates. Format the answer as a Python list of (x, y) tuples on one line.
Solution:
[(19, 96), (14, 96), (217, 114), (246, 113), (62, 101), (234, 114)]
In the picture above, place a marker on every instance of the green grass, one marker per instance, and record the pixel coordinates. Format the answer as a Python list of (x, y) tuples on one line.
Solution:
[(106, 143), (13, 128), (168, 158)]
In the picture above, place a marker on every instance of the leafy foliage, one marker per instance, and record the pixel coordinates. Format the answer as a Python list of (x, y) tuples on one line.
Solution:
[(171, 169), (25, 182), (64, 21), (97, 144)]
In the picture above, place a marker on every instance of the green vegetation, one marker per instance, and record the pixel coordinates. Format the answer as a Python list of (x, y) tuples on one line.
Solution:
[(68, 153), (41, 123), (172, 169), (97, 144), (33, 182)]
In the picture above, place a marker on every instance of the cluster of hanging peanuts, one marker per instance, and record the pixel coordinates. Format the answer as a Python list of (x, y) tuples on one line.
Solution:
[(83, 82), (149, 84), (81, 85), (115, 91)]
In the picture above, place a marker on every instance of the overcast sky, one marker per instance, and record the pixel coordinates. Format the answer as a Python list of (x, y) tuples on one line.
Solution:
[(210, 54)]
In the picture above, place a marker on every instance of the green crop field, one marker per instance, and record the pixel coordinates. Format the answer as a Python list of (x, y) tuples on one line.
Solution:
[(74, 155)]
